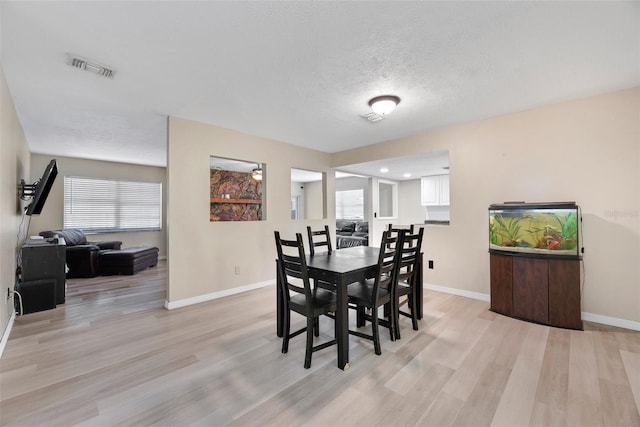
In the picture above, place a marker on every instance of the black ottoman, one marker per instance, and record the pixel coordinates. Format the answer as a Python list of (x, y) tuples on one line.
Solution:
[(127, 261)]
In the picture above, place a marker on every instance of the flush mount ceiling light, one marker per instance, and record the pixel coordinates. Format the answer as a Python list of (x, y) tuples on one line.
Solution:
[(257, 173), (92, 67), (383, 105)]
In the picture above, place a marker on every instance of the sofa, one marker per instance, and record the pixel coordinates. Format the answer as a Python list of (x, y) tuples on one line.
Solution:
[(82, 255), (351, 233)]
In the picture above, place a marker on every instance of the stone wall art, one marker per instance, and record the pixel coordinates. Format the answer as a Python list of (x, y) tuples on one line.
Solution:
[(235, 195)]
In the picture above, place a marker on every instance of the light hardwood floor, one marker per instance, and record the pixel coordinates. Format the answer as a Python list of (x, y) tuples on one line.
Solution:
[(113, 356)]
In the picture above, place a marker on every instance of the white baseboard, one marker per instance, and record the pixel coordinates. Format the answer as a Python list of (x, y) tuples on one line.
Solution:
[(7, 332), (611, 321), (215, 295), (589, 317), (459, 292)]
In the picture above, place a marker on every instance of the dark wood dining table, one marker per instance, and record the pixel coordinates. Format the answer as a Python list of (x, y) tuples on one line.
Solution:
[(342, 267)]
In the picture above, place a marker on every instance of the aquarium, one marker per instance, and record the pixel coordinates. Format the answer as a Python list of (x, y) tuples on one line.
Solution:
[(547, 229)]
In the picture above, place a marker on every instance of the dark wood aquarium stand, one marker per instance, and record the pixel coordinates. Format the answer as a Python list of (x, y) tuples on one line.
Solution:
[(538, 289)]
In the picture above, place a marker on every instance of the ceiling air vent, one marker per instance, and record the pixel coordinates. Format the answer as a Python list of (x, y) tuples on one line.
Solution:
[(93, 67), (372, 117)]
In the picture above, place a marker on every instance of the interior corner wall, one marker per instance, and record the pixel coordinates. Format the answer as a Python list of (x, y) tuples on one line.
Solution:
[(585, 150), (410, 209), (202, 255), (52, 216), (14, 166)]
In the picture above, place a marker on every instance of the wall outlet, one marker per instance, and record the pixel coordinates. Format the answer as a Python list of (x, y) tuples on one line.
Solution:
[(431, 264), (237, 269)]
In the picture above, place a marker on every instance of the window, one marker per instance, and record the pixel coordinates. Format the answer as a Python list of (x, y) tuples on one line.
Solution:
[(350, 204), (387, 199), (101, 205), (295, 206)]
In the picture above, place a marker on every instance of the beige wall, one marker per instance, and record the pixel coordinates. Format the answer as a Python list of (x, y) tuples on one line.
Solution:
[(314, 200), (202, 254), (52, 216), (14, 165), (585, 150)]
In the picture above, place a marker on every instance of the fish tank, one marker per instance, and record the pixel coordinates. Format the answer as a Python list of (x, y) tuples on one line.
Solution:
[(544, 229)]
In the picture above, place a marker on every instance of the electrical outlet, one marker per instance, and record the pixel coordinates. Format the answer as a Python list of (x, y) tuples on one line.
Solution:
[(431, 264), (237, 269)]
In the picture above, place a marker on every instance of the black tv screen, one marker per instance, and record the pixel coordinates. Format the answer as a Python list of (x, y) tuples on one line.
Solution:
[(43, 186)]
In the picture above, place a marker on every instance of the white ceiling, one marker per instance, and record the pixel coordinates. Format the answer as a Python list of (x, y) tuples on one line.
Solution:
[(299, 72)]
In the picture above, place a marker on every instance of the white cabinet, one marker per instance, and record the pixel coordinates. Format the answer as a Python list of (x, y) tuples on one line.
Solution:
[(435, 190)]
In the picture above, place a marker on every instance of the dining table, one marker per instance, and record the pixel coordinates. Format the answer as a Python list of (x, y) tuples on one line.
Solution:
[(342, 267)]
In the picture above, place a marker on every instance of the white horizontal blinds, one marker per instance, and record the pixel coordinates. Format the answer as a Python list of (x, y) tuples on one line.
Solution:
[(350, 204), (105, 205)]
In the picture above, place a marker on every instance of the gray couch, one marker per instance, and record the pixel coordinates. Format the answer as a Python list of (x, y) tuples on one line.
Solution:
[(351, 233)]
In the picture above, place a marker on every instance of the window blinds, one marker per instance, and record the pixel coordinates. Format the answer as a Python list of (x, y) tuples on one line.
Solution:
[(99, 205)]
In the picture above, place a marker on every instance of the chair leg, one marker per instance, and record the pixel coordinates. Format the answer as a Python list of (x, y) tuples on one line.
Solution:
[(316, 326), (396, 316), (309, 350), (360, 317), (286, 330), (414, 312), (376, 335), (388, 314)]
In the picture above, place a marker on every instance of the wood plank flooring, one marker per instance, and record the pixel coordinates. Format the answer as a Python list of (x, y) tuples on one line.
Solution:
[(113, 356)]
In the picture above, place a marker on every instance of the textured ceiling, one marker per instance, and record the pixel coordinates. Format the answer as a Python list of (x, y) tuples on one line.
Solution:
[(299, 72)]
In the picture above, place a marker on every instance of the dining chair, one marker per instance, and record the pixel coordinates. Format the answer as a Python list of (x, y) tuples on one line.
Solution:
[(378, 291), (325, 240), (407, 274), (299, 296)]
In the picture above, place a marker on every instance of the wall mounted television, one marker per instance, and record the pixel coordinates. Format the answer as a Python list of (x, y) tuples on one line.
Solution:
[(39, 190)]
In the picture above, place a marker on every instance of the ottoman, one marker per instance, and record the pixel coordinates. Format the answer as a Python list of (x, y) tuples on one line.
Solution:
[(128, 260)]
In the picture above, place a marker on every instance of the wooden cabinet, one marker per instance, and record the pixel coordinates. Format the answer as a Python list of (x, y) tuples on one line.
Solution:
[(530, 289), (502, 284), (542, 290), (435, 190)]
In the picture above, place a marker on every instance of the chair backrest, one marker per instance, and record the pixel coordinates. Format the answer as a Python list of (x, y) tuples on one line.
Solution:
[(388, 263), (410, 255), (293, 267), (394, 231), (322, 241)]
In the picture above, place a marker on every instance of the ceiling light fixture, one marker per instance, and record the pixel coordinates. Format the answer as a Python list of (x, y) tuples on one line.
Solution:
[(257, 173), (383, 105), (407, 175), (384, 170)]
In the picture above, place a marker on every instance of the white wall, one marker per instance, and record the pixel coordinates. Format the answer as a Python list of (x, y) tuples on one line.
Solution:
[(202, 254), (585, 150), (410, 211), (14, 165), (52, 216)]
